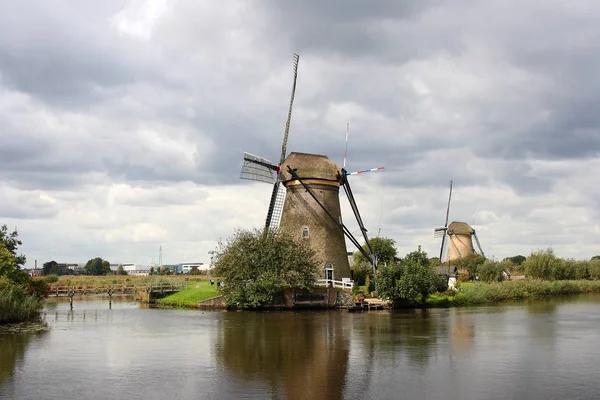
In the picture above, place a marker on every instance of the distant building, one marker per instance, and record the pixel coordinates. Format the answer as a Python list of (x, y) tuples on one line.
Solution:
[(129, 267), (185, 268), (139, 272)]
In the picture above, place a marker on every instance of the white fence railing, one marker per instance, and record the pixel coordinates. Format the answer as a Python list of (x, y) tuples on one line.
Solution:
[(338, 284)]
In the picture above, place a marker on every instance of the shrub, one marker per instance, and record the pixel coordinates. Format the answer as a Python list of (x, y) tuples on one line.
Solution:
[(491, 271), (16, 302), (370, 285), (563, 270), (410, 280), (482, 293), (355, 287), (541, 263), (471, 263), (51, 278), (256, 266), (360, 272), (440, 282), (594, 269)]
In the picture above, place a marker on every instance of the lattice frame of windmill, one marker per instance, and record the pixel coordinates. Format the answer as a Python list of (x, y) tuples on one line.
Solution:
[(261, 169)]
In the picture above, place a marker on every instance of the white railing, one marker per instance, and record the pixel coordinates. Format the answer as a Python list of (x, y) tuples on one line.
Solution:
[(337, 284)]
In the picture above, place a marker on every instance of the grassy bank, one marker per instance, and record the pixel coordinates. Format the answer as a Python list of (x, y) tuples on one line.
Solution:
[(489, 293), (93, 281), (16, 303), (195, 292)]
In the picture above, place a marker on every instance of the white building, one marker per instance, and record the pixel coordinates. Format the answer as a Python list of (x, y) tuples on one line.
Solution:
[(187, 267)]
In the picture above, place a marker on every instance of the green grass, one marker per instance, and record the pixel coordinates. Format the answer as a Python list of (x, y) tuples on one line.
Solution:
[(93, 281), (195, 292), (489, 293)]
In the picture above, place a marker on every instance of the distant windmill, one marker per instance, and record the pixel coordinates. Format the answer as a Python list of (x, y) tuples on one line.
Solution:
[(260, 169), (460, 234)]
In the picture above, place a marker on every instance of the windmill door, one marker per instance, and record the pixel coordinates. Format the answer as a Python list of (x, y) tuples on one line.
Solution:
[(329, 271)]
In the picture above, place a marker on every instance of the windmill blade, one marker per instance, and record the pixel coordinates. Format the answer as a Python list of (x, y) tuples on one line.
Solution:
[(289, 118), (277, 208), (346, 149), (276, 186), (478, 244), (274, 193), (367, 170), (257, 169), (448, 208), (439, 232), (442, 246), (445, 228)]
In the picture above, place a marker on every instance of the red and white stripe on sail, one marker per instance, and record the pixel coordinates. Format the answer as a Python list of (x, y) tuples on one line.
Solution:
[(366, 170)]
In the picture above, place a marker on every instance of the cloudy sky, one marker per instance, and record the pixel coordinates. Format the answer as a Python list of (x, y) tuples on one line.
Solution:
[(123, 123)]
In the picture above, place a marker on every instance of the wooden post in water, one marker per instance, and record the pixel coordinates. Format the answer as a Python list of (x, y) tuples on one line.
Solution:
[(110, 293), (71, 293)]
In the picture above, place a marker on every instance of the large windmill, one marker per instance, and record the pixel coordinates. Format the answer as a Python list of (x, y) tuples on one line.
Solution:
[(262, 170), (312, 209), (460, 234), (309, 207)]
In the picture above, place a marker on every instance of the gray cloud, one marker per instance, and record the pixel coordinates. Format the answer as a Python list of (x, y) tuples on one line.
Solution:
[(102, 100)]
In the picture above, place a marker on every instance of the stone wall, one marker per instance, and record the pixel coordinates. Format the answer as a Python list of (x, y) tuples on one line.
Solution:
[(300, 210)]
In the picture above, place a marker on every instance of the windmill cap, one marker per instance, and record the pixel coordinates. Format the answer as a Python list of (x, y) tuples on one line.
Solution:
[(459, 228), (309, 166)]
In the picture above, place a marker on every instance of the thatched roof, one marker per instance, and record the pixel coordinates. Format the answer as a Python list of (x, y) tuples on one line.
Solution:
[(459, 228), (309, 166)]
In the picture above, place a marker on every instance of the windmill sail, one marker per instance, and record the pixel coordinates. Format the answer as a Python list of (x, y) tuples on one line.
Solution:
[(277, 208), (444, 230), (277, 186), (257, 169), (478, 244)]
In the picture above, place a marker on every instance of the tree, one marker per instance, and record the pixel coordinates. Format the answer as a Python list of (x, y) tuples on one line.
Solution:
[(106, 268), (10, 266), (257, 266), (434, 262), (94, 266), (471, 263), (594, 269), (491, 271), (194, 271), (517, 260), (50, 268), (383, 248), (121, 270), (164, 270), (10, 241), (541, 263), (411, 279)]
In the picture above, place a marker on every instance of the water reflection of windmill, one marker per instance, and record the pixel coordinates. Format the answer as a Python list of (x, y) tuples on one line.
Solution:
[(460, 234)]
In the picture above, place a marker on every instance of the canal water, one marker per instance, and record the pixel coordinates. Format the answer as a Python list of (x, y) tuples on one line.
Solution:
[(544, 349)]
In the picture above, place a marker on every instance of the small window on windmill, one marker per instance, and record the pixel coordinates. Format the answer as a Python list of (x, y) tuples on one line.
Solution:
[(305, 232)]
